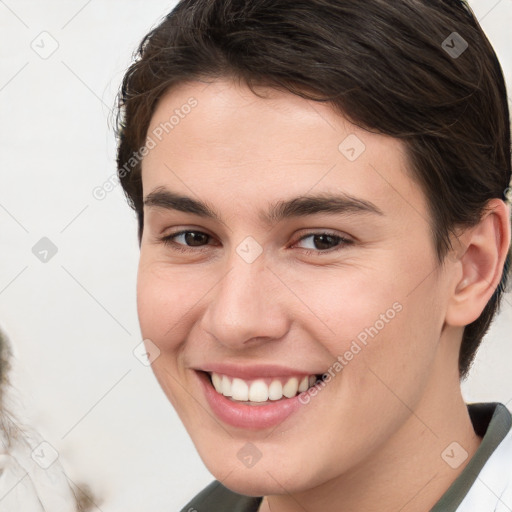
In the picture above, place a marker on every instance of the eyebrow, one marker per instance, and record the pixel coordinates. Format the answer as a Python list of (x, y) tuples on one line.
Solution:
[(301, 206)]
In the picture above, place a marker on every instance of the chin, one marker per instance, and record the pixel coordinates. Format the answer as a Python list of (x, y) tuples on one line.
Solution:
[(254, 484), (262, 480)]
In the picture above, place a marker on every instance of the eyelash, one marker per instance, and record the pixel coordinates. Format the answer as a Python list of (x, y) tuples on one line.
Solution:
[(168, 241)]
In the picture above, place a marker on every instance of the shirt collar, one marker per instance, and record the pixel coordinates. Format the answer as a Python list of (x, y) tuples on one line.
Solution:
[(492, 422)]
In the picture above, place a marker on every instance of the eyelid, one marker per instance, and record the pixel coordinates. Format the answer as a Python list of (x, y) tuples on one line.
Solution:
[(328, 232)]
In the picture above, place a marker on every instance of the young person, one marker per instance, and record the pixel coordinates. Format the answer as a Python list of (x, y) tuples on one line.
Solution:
[(322, 189)]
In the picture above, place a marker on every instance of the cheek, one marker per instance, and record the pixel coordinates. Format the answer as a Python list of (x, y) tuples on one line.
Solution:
[(164, 299), (347, 304), (152, 301), (162, 306), (377, 320), (394, 359)]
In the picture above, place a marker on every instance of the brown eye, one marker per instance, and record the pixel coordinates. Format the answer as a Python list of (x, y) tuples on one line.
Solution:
[(189, 238), (195, 238), (325, 242)]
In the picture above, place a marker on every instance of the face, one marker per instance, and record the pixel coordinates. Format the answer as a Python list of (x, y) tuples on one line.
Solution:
[(303, 249)]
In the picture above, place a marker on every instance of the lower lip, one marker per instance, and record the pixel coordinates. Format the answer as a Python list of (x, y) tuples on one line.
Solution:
[(250, 417)]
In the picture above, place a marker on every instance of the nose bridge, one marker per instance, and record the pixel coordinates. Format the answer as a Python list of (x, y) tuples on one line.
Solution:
[(244, 304)]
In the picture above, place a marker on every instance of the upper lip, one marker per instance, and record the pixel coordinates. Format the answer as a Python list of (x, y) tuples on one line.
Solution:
[(248, 372)]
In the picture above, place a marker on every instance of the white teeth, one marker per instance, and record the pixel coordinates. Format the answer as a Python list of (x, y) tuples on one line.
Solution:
[(291, 387), (275, 390), (260, 390), (240, 390), (226, 386), (217, 382), (304, 384)]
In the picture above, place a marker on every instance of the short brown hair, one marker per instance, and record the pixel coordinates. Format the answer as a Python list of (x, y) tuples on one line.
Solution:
[(386, 66)]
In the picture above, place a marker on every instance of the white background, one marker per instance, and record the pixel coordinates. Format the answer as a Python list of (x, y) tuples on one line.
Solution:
[(73, 320)]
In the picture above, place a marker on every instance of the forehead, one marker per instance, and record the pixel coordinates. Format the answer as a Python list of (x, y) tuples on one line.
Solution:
[(217, 138)]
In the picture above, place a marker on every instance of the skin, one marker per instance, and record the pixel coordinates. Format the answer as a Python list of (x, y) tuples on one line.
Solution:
[(396, 406)]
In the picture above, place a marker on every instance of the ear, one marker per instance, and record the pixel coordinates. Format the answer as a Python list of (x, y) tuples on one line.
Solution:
[(484, 251)]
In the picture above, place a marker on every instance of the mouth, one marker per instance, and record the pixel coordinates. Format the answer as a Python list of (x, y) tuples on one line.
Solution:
[(261, 391), (257, 403)]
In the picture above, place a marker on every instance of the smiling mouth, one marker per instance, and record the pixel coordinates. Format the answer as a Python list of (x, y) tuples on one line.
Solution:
[(261, 391)]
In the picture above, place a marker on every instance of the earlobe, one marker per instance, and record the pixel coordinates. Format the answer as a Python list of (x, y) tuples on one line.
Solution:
[(482, 261)]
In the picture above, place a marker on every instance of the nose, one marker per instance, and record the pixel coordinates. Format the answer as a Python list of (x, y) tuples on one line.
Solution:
[(247, 306)]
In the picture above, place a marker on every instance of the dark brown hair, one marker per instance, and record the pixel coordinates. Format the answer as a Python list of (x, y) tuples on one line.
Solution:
[(398, 68)]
